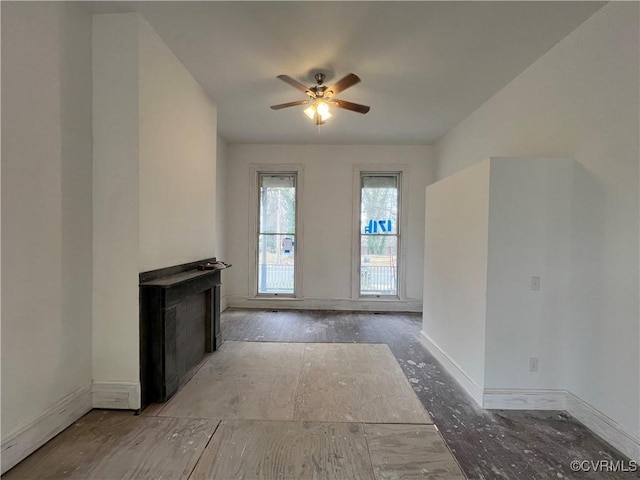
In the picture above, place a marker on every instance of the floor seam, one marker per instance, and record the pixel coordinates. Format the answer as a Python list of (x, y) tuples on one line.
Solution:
[(446, 445), (195, 465), (366, 441)]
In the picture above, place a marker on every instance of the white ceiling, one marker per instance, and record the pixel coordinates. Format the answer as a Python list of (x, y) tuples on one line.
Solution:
[(424, 66)]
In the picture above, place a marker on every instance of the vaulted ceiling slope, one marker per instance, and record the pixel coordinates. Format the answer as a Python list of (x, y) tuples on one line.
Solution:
[(425, 66)]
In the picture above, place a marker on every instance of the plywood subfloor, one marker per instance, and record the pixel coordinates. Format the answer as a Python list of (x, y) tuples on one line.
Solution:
[(262, 411), (117, 445), (251, 449), (247, 380), (488, 444), (344, 382), (108, 445), (410, 451), (294, 381)]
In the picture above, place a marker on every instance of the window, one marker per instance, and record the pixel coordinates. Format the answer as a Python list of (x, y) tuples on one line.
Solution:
[(379, 234), (276, 234)]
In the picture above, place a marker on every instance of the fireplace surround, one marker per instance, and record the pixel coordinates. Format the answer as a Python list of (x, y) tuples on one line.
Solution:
[(179, 324)]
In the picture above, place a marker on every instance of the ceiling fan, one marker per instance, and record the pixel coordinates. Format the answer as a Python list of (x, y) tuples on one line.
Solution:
[(321, 97)]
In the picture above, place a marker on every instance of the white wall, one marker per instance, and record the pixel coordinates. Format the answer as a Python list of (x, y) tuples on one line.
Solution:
[(115, 202), (529, 235), (326, 209), (177, 162), (222, 215), (580, 100), (154, 186), (489, 229), (455, 270), (46, 212)]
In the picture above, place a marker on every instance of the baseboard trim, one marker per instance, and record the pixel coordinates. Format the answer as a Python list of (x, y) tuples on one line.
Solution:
[(605, 427), (342, 304), (524, 399), (116, 395), (27, 438), (455, 370), (612, 432)]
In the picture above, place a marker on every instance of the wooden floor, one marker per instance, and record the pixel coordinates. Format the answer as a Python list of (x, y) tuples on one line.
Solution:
[(259, 410), (276, 421), (488, 445)]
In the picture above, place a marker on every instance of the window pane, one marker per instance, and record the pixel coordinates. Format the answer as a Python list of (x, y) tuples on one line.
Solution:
[(378, 265), (379, 205), (276, 262), (379, 181), (277, 204)]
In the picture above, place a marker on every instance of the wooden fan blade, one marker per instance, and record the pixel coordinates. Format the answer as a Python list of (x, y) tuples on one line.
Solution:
[(342, 84), (354, 107), (290, 104), (296, 84)]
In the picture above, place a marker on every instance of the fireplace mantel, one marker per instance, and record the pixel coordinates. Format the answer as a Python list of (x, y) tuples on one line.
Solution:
[(179, 324)]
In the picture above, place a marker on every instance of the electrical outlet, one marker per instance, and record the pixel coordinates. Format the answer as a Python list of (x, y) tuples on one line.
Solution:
[(533, 364), (535, 283)]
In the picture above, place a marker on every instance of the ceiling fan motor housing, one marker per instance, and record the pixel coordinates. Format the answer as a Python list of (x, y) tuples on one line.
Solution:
[(319, 89)]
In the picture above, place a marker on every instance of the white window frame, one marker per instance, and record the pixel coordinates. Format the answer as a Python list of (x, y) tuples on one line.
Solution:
[(402, 171), (254, 225)]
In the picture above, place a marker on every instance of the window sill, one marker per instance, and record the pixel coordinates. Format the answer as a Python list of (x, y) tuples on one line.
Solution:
[(273, 297)]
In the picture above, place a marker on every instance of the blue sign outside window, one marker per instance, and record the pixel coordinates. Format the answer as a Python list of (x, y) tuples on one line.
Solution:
[(378, 226)]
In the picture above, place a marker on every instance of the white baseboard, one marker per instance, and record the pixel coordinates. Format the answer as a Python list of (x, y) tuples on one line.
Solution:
[(599, 423), (116, 395), (455, 370), (605, 427), (524, 399), (27, 438), (342, 304), (612, 432)]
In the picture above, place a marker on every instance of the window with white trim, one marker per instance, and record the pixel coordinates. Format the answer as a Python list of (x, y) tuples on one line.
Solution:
[(276, 234), (379, 234)]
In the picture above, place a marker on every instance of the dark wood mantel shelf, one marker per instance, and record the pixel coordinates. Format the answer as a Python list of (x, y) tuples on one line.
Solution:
[(177, 279), (179, 324)]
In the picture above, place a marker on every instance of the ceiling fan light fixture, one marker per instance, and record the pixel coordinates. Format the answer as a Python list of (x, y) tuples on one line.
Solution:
[(310, 112), (322, 97), (323, 110), (319, 108)]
